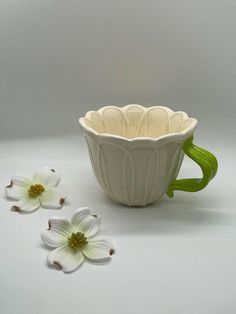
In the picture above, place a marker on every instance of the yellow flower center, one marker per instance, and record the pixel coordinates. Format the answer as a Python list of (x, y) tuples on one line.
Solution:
[(77, 240), (36, 190)]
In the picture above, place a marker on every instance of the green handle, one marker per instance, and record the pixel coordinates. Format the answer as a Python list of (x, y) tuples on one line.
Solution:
[(206, 160)]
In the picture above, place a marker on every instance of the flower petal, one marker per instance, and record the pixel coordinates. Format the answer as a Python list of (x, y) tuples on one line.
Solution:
[(83, 221), (90, 226), (65, 258), (52, 198), (14, 192), (21, 181), (60, 225), (47, 176), (79, 215), (98, 249), (58, 232), (26, 204)]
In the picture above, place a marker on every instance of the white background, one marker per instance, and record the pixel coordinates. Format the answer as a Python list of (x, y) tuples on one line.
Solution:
[(60, 59)]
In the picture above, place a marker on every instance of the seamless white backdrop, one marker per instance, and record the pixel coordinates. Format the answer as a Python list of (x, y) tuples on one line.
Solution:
[(61, 58)]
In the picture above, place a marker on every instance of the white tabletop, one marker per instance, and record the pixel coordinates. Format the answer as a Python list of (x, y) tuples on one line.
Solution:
[(174, 257)]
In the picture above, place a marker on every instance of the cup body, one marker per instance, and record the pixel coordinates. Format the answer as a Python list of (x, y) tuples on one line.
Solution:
[(136, 170)]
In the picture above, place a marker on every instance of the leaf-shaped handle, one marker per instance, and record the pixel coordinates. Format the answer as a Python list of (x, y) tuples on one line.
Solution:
[(206, 160)]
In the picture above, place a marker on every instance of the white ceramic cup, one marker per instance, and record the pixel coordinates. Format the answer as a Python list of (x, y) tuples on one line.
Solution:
[(136, 152)]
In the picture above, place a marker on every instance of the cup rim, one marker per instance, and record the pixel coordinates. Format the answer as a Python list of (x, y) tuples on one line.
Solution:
[(187, 132)]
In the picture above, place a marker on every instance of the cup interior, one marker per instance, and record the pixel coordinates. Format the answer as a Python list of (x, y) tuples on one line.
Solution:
[(134, 121)]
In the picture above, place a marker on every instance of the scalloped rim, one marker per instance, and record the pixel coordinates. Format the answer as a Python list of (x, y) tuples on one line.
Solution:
[(180, 135)]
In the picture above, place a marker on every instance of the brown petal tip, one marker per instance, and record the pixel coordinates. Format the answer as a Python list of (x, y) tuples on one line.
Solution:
[(57, 264), (10, 185), (62, 201), (111, 252), (49, 225), (53, 170), (16, 208)]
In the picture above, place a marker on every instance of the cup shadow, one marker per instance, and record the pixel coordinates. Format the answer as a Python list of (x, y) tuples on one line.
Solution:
[(183, 214)]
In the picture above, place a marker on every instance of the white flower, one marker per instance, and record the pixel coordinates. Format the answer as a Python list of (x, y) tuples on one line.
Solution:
[(40, 190), (74, 241)]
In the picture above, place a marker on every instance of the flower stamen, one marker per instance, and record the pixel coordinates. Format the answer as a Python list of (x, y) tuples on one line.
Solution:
[(36, 190), (77, 240)]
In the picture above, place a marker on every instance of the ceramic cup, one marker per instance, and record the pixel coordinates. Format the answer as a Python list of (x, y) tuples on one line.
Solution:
[(136, 152)]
